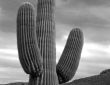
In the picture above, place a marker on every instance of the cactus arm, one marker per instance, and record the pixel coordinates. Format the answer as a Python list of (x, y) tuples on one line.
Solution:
[(29, 53), (45, 32), (70, 57)]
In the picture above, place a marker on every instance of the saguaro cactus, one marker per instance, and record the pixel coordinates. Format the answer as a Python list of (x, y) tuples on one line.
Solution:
[(29, 53), (45, 31), (36, 45), (70, 57)]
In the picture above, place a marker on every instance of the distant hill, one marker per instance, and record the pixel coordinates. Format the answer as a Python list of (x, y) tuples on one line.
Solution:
[(102, 79), (16, 83)]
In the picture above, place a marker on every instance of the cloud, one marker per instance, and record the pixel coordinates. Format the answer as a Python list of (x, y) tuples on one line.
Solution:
[(10, 9), (9, 51), (94, 59), (0, 13), (91, 16), (89, 19), (9, 58), (77, 3), (101, 12), (94, 21), (96, 48), (9, 75), (83, 16), (8, 41), (10, 68)]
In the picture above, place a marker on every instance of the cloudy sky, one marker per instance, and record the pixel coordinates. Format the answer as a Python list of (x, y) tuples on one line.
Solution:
[(91, 16)]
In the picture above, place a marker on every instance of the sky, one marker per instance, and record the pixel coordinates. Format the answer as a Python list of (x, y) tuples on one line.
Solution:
[(91, 16)]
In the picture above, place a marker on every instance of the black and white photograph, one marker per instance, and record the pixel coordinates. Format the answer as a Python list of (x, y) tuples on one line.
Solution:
[(54, 42)]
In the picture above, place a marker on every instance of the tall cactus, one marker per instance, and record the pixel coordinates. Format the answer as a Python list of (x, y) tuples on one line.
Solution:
[(45, 31), (36, 45), (70, 57), (29, 53)]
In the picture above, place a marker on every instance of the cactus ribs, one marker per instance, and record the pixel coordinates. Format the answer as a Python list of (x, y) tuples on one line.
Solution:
[(37, 46)]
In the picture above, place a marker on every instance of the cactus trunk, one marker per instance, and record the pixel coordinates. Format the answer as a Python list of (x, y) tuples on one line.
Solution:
[(45, 31), (33, 80)]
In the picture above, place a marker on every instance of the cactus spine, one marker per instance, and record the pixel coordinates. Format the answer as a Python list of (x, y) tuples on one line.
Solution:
[(45, 31), (29, 53), (70, 57)]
